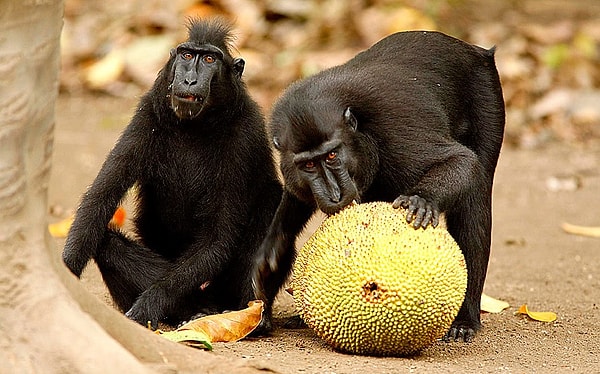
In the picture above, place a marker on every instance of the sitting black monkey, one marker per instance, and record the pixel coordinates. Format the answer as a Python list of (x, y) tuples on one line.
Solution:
[(417, 120), (198, 153)]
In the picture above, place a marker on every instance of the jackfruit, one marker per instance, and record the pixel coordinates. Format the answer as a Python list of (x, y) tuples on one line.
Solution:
[(368, 283)]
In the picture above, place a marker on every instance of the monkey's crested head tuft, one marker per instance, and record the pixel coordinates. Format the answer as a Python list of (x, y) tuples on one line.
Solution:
[(216, 31)]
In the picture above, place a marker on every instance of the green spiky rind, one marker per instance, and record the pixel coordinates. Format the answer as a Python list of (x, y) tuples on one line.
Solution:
[(369, 283)]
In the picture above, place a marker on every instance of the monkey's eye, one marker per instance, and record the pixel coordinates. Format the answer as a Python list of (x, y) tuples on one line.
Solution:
[(309, 164), (209, 59), (331, 156), (187, 55)]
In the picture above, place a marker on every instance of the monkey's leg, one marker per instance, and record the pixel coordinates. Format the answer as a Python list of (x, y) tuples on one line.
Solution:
[(127, 268), (470, 223)]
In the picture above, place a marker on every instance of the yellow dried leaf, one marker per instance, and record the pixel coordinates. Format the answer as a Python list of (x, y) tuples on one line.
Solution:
[(581, 230), (406, 18), (61, 228), (196, 339), (106, 70), (491, 305), (228, 327), (538, 316)]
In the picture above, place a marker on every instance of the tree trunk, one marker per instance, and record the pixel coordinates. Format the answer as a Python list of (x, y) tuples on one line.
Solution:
[(48, 322)]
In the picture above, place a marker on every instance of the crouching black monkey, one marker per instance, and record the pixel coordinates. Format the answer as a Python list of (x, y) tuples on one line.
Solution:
[(198, 153), (417, 120)]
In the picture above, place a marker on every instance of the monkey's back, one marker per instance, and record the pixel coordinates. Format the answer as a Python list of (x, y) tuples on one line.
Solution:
[(458, 81), (451, 86)]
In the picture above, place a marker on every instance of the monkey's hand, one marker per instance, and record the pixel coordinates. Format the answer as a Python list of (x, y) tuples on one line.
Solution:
[(266, 263), (74, 261), (148, 309), (77, 253), (419, 211)]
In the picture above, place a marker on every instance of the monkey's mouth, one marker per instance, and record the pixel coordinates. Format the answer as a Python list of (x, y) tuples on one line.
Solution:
[(190, 98), (187, 105)]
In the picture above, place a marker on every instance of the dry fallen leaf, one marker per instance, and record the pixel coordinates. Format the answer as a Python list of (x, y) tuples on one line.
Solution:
[(196, 339), (61, 228), (228, 327), (118, 218), (538, 316), (581, 230), (106, 70), (491, 305), (225, 327)]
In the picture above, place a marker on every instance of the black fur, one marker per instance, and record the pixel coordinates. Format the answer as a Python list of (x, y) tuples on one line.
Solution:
[(417, 120), (206, 190)]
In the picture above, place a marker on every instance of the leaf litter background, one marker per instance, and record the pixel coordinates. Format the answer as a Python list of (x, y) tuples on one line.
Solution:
[(548, 55)]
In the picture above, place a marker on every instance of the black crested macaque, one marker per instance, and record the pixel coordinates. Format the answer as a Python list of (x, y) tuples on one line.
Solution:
[(417, 120), (198, 154)]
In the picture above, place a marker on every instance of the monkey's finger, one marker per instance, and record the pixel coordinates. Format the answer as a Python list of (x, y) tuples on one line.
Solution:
[(400, 201), (458, 334), (428, 219), (464, 334), (468, 335), (410, 216), (417, 207), (450, 335), (436, 219), (453, 335), (421, 219)]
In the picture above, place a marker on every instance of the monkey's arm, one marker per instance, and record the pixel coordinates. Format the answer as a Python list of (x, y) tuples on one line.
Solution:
[(444, 182), (277, 252), (98, 204)]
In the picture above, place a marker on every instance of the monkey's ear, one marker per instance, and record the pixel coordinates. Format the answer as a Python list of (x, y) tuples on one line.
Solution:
[(276, 143), (350, 119), (238, 66), (173, 52)]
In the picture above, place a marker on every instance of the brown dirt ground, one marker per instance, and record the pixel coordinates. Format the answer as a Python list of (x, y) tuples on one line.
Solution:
[(533, 261)]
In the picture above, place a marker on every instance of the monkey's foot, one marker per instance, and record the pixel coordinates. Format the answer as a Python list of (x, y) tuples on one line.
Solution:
[(264, 328), (460, 331), (295, 322)]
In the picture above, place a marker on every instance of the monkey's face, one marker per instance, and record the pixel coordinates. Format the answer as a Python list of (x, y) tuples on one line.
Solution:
[(320, 169), (194, 70)]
